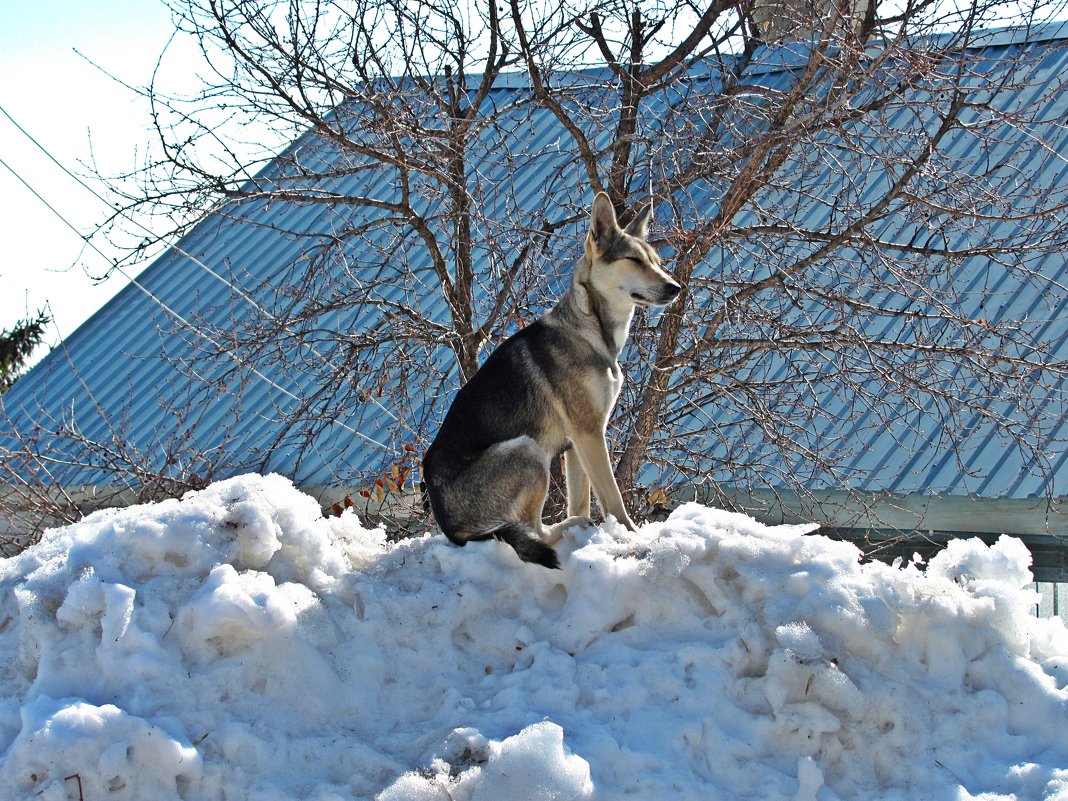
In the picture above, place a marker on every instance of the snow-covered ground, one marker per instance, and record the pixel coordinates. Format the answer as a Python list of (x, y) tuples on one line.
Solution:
[(236, 645)]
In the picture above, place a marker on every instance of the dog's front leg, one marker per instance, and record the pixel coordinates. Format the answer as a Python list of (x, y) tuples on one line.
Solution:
[(578, 485), (593, 452)]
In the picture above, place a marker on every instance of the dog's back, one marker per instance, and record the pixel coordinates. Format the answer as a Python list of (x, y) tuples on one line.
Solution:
[(504, 399)]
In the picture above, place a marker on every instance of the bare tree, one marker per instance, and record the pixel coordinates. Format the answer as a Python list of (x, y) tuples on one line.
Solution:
[(843, 193)]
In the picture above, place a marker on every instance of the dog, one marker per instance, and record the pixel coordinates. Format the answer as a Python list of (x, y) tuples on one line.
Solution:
[(548, 389)]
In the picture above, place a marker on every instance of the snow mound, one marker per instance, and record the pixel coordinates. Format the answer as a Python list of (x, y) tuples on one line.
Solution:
[(236, 645)]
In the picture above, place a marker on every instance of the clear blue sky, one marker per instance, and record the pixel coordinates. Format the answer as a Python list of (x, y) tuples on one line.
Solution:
[(76, 113)]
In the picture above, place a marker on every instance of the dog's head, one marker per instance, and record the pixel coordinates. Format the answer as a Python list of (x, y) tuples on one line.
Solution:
[(623, 267)]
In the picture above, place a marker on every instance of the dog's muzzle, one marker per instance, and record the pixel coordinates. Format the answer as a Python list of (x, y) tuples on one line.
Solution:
[(660, 296)]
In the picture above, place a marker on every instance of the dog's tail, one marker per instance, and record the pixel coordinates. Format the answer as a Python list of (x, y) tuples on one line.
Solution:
[(525, 541)]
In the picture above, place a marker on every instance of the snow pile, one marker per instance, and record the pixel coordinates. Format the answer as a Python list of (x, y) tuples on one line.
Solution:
[(236, 645)]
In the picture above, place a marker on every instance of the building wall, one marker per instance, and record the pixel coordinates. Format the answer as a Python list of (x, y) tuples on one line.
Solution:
[(1054, 601)]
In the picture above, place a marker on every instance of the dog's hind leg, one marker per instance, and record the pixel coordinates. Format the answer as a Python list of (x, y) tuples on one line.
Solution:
[(554, 532), (505, 493)]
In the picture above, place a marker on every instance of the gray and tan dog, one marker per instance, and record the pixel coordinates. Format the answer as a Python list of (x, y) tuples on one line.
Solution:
[(549, 388)]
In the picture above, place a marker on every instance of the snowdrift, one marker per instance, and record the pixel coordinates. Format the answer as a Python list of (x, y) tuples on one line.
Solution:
[(236, 645)]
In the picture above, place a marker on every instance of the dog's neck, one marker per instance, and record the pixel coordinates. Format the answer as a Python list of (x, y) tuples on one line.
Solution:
[(605, 327)]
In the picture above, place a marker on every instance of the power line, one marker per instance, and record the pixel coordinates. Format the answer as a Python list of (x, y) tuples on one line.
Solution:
[(78, 179), (174, 314), (50, 207), (173, 246)]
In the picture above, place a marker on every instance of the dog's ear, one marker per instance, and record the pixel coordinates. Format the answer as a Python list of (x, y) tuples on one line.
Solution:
[(603, 224), (639, 226)]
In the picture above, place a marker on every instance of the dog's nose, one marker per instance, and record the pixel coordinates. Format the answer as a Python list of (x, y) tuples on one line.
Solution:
[(670, 291)]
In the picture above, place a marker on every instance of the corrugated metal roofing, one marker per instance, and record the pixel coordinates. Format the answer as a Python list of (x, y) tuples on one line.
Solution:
[(125, 374)]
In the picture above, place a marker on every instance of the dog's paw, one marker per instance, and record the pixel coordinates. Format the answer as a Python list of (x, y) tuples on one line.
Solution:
[(557, 531)]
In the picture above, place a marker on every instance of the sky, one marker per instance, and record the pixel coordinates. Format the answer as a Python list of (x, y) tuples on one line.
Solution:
[(77, 113)]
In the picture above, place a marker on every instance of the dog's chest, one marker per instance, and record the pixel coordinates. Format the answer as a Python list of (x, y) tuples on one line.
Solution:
[(603, 388)]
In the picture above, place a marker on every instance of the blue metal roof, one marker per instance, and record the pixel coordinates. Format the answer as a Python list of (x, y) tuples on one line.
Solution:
[(134, 374)]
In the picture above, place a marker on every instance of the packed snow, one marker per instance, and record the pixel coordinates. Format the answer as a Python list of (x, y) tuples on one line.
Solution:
[(236, 644)]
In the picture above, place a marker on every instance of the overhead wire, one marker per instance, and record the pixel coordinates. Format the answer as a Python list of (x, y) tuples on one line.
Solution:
[(172, 246)]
